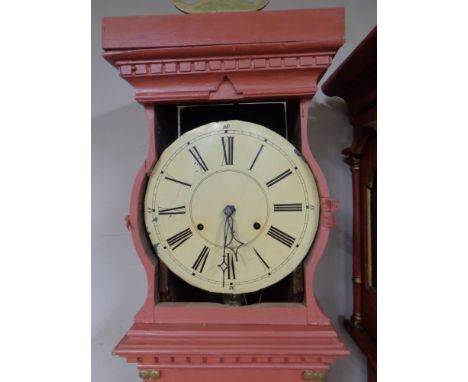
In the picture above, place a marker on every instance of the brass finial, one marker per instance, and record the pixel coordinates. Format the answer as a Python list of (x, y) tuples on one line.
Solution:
[(207, 6)]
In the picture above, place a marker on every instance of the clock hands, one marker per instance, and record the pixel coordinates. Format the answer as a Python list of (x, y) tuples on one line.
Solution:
[(230, 248), (229, 231)]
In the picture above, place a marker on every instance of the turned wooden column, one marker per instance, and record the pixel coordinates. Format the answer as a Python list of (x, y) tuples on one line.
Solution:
[(353, 162)]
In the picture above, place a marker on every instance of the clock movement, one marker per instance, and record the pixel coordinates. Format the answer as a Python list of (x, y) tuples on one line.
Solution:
[(230, 212)]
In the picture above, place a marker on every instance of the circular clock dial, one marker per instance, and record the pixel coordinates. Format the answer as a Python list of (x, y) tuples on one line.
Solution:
[(231, 207)]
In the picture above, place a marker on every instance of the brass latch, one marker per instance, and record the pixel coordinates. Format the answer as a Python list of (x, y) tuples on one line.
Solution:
[(328, 206)]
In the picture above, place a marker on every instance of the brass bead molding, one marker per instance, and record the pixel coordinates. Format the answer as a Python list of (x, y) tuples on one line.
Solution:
[(316, 376)]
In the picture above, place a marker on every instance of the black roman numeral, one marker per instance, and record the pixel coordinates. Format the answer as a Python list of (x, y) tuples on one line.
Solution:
[(281, 236), (261, 259), (180, 238), (228, 150), (288, 207), (178, 181), (281, 176), (256, 157), (199, 263), (172, 211), (230, 267), (196, 155)]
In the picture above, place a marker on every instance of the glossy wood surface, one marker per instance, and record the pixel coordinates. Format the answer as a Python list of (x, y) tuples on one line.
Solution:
[(356, 82)]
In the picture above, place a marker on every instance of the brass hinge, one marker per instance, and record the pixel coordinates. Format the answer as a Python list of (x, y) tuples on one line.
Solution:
[(128, 223), (328, 208)]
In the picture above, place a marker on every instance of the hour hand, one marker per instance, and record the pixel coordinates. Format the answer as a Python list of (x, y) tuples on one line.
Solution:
[(229, 233)]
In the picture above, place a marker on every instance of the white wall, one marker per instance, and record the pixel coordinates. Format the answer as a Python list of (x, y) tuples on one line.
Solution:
[(119, 141)]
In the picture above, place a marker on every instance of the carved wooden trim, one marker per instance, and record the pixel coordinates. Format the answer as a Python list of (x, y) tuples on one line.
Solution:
[(221, 78), (198, 346), (222, 64), (189, 58)]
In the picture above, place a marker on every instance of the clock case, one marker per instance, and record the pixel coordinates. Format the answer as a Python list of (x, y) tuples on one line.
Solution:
[(355, 81), (226, 62)]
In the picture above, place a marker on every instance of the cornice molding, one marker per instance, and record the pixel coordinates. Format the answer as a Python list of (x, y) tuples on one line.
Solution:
[(166, 346), (129, 68)]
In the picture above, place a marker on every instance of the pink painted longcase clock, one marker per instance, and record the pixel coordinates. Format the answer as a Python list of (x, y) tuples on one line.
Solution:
[(230, 212)]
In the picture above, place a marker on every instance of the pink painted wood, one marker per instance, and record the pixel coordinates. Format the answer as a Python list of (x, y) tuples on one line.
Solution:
[(195, 58)]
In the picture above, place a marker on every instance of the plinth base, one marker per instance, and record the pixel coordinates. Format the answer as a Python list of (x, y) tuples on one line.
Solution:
[(188, 352)]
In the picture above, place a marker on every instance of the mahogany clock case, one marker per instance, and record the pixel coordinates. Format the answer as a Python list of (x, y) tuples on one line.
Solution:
[(356, 82)]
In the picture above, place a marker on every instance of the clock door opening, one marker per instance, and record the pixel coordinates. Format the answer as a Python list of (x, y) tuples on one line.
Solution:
[(282, 117)]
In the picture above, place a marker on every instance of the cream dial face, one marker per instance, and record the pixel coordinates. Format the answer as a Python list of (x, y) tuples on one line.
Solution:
[(231, 207)]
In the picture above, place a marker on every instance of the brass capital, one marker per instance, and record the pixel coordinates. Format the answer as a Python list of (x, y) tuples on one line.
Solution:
[(354, 163), (356, 319), (357, 280), (352, 159)]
